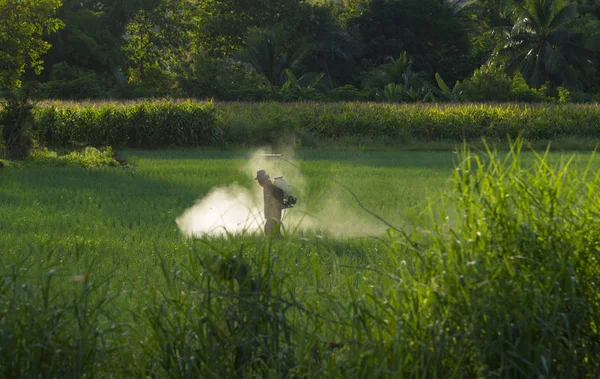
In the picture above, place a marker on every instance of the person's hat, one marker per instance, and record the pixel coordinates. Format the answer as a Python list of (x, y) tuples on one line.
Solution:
[(261, 174)]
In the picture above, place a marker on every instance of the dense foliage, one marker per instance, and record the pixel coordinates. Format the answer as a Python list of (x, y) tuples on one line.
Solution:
[(239, 50), (21, 30), (164, 124)]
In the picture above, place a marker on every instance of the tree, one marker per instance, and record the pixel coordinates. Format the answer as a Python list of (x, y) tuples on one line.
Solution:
[(86, 42), (397, 71), (24, 23), (428, 30), (270, 53), (92, 36), (333, 49), (494, 13), (225, 23), (543, 46), (156, 38)]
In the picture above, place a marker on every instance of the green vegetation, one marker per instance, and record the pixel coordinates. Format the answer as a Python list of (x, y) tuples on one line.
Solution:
[(493, 278), (235, 50), (88, 157), (145, 125), (412, 259), (168, 124), (24, 24)]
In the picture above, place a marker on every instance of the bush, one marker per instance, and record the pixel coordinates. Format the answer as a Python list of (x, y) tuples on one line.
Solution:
[(86, 86), (89, 157), (581, 97), (490, 83)]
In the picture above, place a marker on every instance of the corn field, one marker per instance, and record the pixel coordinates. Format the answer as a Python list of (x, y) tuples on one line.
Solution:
[(187, 123)]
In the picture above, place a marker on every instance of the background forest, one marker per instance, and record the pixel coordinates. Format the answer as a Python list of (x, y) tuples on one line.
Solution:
[(287, 50)]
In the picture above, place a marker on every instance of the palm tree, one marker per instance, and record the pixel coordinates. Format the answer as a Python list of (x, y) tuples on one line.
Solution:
[(270, 53), (398, 71), (543, 47)]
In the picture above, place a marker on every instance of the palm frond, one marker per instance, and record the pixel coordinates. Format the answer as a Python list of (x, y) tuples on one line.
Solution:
[(560, 36), (513, 65), (525, 25), (564, 16), (527, 68), (538, 76), (571, 78), (593, 43), (553, 61)]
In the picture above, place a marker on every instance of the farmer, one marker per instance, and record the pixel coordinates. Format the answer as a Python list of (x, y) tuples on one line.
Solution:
[(273, 204)]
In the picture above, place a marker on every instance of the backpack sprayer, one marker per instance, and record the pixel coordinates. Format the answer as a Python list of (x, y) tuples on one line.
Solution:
[(288, 199)]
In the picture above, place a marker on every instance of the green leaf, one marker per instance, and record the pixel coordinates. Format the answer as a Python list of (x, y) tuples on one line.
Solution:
[(565, 15), (445, 89)]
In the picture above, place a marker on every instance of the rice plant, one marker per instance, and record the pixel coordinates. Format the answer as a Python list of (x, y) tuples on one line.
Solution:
[(494, 275)]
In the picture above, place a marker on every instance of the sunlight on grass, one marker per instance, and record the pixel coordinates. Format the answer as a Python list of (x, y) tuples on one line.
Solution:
[(100, 249)]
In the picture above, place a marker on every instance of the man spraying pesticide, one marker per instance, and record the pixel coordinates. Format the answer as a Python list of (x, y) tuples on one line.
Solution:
[(277, 197)]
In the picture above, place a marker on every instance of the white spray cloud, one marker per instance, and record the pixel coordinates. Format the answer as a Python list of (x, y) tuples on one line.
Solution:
[(238, 210), (225, 210)]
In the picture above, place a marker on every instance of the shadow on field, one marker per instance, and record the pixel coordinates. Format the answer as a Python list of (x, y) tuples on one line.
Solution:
[(421, 159), (110, 196), (407, 159), (183, 153)]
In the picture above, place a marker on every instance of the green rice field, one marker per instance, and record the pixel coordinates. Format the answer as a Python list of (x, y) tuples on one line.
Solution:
[(97, 279)]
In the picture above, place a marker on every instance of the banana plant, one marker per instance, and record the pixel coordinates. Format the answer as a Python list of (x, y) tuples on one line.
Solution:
[(271, 54), (296, 89), (393, 92), (444, 92), (397, 71)]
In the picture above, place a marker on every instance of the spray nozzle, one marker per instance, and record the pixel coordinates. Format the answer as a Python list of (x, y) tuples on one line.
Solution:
[(280, 156)]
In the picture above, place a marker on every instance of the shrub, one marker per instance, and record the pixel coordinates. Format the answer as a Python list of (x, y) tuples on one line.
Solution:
[(226, 79), (89, 157), (303, 88), (490, 83), (86, 86)]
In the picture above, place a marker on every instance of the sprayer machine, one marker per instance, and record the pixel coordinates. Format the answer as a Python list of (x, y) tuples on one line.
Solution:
[(288, 199)]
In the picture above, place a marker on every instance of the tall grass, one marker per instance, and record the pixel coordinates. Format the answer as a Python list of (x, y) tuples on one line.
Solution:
[(496, 279), (49, 329), (498, 283)]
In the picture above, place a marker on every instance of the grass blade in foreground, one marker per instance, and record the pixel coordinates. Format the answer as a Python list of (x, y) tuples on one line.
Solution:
[(498, 281)]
